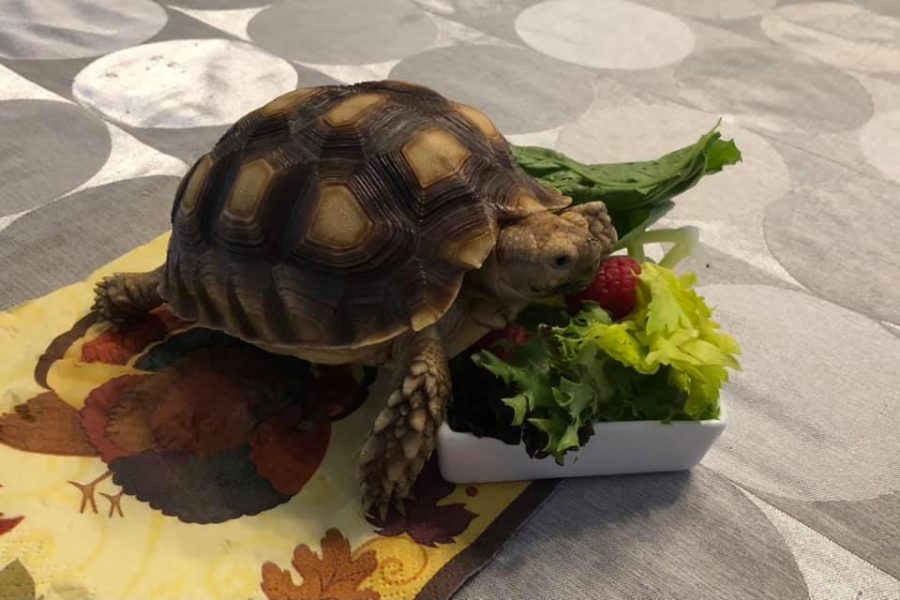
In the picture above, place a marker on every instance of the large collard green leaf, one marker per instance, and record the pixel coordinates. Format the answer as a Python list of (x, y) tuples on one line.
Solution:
[(636, 193)]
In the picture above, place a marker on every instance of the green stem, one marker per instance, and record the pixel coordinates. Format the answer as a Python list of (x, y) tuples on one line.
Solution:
[(682, 248), (636, 251), (684, 240)]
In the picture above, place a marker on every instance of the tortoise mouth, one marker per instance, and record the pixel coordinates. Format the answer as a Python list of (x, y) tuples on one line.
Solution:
[(572, 288)]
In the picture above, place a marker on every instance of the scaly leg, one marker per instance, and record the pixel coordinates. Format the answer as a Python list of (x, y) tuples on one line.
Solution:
[(125, 296), (404, 433)]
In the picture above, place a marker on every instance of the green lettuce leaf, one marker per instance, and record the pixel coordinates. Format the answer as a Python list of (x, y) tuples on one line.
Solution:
[(672, 328)]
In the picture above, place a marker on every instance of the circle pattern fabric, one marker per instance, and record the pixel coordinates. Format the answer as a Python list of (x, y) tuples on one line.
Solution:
[(62, 29), (784, 332), (880, 140), (104, 104), (714, 9), (774, 90), (519, 88), (815, 29), (343, 31), (41, 137)]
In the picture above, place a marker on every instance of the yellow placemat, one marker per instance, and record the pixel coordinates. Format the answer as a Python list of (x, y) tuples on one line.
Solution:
[(170, 462)]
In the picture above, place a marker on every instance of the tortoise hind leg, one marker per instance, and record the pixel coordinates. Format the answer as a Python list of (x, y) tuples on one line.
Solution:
[(404, 433), (125, 296)]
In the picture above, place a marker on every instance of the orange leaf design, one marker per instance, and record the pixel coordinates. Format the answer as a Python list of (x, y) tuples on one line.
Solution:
[(7, 525), (45, 424), (335, 576)]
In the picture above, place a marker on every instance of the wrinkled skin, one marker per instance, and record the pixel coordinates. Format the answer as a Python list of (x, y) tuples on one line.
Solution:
[(546, 254)]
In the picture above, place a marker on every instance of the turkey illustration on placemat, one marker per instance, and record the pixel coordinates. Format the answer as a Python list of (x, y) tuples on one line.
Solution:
[(199, 425)]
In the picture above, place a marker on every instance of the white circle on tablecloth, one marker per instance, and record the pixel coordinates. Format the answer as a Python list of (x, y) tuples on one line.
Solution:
[(607, 34), (183, 83), (813, 415), (880, 141), (843, 35), (60, 29)]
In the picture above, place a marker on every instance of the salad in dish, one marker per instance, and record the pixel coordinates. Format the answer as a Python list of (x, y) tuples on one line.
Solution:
[(639, 343)]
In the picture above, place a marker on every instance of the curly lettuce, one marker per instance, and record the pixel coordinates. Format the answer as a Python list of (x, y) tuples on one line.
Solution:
[(667, 361), (671, 328)]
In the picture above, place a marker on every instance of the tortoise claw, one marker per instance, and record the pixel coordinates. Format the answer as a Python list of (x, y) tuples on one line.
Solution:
[(124, 297), (376, 507), (379, 504), (367, 504)]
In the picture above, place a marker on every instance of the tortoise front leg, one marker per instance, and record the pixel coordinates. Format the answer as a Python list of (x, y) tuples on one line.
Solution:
[(124, 296), (404, 433)]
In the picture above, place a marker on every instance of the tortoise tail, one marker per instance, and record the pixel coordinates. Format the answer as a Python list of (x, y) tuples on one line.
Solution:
[(122, 297)]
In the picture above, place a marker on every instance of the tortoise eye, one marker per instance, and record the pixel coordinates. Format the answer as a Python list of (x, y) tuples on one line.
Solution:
[(563, 260)]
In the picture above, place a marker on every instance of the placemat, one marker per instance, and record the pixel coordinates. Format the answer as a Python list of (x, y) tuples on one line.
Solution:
[(169, 461)]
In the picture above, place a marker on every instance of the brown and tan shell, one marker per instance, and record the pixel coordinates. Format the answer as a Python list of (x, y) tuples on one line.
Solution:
[(342, 216)]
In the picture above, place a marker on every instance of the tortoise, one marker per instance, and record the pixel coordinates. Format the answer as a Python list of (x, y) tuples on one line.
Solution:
[(378, 224)]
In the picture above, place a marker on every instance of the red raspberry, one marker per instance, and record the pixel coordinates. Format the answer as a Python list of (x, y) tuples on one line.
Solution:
[(513, 333), (614, 287)]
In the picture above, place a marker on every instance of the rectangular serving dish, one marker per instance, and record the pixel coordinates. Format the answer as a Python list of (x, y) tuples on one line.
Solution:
[(616, 448)]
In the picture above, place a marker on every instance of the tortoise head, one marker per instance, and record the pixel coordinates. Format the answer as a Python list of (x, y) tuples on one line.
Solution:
[(549, 253)]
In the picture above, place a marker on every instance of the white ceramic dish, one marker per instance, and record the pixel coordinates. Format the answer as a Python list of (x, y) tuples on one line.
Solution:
[(615, 449)]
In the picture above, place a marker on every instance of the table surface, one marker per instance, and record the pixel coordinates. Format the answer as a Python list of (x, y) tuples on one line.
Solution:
[(104, 105)]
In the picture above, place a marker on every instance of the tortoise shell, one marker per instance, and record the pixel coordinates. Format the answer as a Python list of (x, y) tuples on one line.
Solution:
[(342, 216)]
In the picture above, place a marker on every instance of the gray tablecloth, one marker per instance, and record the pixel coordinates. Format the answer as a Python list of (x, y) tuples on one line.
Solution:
[(104, 104)]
